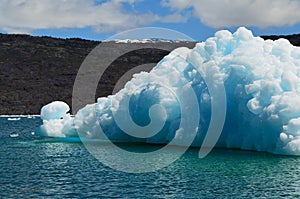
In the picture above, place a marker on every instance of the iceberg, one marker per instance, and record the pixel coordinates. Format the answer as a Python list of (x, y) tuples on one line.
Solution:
[(177, 101)]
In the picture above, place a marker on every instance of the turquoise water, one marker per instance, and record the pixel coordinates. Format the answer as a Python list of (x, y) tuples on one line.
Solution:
[(36, 167)]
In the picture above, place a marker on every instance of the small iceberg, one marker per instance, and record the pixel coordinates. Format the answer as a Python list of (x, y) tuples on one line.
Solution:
[(14, 135), (32, 116), (13, 118)]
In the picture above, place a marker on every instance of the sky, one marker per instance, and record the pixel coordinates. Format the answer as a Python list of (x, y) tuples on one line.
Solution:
[(101, 19)]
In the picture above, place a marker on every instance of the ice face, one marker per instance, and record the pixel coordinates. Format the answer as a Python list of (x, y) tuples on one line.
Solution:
[(262, 83)]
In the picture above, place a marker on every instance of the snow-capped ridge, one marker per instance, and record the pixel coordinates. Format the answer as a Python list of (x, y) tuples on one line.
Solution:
[(147, 40)]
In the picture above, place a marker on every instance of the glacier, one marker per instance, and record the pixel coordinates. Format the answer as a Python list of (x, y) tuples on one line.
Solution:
[(174, 104)]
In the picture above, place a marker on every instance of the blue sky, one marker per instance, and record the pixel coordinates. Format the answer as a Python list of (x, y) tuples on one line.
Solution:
[(100, 19)]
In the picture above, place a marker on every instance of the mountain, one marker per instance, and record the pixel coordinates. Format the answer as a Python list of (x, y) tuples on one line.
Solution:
[(294, 39), (37, 70)]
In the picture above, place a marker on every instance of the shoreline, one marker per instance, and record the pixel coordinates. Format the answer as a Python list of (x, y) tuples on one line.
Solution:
[(8, 116)]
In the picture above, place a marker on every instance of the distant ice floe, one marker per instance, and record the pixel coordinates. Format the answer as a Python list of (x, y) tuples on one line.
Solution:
[(16, 117), (13, 118), (14, 135)]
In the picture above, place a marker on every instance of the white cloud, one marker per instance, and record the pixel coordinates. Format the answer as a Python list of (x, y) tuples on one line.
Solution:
[(23, 16), (174, 18), (177, 4), (225, 13)]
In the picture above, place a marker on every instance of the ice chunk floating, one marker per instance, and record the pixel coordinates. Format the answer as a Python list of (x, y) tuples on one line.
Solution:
[(262, 84)]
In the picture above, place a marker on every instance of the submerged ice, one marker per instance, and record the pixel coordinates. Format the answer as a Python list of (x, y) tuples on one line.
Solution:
[(262, 83)]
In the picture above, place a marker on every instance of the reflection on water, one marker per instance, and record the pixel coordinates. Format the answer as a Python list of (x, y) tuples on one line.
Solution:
[(34, 167)]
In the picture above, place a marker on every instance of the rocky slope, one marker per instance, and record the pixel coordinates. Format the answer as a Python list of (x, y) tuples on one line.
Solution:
[(294, 39), (37, 70)]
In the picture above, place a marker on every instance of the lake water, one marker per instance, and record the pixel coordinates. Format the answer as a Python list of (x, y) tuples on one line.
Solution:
[(31, 166)]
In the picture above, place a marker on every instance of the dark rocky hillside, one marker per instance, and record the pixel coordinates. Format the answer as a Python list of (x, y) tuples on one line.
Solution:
[(37, 70), (294, 39)]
